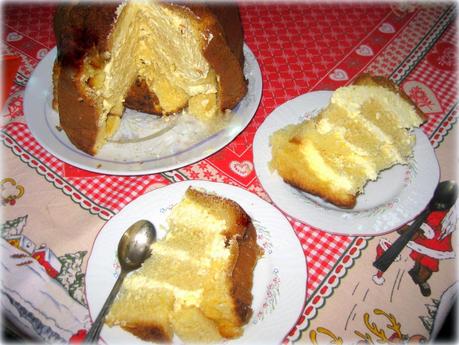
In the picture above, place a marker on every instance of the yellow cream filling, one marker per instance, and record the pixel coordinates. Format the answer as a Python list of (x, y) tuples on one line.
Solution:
[(183, 297), (166, 53), (322, 170), (352, 97)]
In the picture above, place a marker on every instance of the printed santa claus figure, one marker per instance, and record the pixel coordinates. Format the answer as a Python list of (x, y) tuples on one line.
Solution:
[(431, 244), (382, 246)]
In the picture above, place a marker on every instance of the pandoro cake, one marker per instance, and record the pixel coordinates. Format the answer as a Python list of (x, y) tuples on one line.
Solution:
[(151, 56), (365, 129), (197, 283)]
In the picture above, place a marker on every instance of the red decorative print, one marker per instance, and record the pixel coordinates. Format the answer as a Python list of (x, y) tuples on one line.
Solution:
[(443, 56), (78, 337), (419, 96)]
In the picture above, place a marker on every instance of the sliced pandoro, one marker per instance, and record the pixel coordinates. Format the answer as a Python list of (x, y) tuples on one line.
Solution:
[(192, 285), (161, 46), (150, 56), (366, 128)]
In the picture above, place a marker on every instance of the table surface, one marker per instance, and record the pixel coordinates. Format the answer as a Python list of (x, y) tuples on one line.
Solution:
[(300, 47)]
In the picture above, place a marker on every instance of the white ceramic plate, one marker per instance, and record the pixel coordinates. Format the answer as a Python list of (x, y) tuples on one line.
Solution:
[(279, 279), (158, 149), (399, 194)]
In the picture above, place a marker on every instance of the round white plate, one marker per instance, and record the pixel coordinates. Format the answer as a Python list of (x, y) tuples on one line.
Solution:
[(186, 142), (279, 288), (399, 194)]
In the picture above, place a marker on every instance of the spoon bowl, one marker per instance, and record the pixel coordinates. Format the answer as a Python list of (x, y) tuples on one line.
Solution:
[(134, 245), (133, 250), (444, 197)]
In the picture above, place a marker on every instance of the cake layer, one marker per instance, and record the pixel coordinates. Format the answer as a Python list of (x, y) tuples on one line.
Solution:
[(197, 283), (365, 129)]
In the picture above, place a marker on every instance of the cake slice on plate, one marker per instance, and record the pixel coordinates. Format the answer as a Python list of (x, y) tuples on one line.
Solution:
[(366, 128), (197, 283)]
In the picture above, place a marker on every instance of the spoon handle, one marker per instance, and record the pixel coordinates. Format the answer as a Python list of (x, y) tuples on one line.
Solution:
[(386, 259), (94, 331)]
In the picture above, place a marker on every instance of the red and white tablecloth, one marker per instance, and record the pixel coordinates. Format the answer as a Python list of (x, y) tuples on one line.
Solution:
[(300, 47)]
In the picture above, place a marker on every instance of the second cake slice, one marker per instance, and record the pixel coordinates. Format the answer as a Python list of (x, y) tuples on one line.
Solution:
[(366, 128)]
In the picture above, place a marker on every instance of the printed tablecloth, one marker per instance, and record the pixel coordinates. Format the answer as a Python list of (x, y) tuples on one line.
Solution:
[(52, 211)]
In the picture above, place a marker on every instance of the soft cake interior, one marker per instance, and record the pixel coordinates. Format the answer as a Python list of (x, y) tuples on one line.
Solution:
[(191, 284), (364, 130), (160, 46)]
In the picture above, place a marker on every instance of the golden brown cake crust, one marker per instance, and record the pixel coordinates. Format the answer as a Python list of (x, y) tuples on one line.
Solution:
[(82, 30), (227, 209), (225, 52), (56, 73), (368, 79), (242, 277), (142, 99), (312, 185), (242, 229), (229, 18), (149, 332), (343, 200), (79, 117)]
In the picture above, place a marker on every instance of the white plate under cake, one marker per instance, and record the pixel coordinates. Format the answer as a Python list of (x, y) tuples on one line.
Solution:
[(396, 197), (144, 144)]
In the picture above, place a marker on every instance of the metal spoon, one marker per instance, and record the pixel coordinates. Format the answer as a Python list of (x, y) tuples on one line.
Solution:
[(133, 249), (444, 198)]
